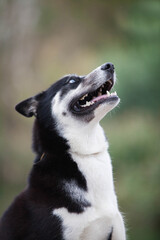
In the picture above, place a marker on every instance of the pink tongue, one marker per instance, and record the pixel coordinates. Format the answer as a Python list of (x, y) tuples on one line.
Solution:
[(99, 98)]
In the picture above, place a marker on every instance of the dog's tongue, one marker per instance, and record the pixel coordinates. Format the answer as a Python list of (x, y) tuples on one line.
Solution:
[(99, 98)]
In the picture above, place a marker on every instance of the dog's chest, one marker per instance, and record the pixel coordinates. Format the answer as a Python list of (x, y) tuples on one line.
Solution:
[(94, 222)]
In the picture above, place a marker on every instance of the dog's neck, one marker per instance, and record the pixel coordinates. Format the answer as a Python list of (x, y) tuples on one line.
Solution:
[(46, 140), (84, 140)]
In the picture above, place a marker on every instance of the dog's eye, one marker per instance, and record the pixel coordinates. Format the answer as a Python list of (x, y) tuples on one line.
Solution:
[(72, 81)]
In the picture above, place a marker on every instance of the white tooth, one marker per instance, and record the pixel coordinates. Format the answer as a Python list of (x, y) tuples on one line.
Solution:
[(100, 89), (114, 94), (87, 104), (108, 93), (109, 81), (82, 98)]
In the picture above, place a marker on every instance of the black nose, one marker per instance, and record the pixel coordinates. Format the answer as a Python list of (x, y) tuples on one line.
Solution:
[(108, 66)]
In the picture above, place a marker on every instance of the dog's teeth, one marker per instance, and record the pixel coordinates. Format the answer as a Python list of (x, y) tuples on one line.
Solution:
[(110, 81), (91, 103), (83, 105), (108, 93), (114, 94), (100, 89), (87, 104), (82, 98)]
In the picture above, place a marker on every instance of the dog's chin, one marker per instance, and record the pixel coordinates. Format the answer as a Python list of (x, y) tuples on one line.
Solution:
[(105, 108)]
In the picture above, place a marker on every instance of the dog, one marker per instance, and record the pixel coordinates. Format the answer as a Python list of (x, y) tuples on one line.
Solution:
[(70, 193)]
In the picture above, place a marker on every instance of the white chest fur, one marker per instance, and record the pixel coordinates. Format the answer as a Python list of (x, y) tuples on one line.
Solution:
[(96, 221), (88, 148), (97, 171)]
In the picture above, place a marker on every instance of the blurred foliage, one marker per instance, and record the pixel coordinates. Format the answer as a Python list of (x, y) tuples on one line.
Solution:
[(42, 40), (135, 151)]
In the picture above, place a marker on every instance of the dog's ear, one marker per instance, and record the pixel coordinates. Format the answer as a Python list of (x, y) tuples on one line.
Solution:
[(28, 107)]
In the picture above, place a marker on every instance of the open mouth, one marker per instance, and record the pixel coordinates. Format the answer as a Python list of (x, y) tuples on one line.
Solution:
[(91, 100)]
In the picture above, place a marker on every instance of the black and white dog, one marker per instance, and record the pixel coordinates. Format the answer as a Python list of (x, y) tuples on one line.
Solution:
[(70, 193)]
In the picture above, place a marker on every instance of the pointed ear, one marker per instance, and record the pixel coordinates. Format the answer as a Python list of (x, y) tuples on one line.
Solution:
[(28, 107)]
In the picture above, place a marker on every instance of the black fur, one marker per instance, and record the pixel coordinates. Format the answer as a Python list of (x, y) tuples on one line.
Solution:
[(30, 215), (110, 235)]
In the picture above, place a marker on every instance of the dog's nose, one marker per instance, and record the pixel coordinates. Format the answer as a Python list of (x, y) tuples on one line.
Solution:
[(108, 66)]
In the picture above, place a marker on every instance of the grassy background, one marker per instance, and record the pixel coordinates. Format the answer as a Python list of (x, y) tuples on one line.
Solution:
[(42, 40)]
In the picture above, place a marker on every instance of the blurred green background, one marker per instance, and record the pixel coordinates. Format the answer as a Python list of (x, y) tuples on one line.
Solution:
[(42, 40)]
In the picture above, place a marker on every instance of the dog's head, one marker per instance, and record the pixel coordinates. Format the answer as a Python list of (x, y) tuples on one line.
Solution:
[(74, 102), (84, 98)]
